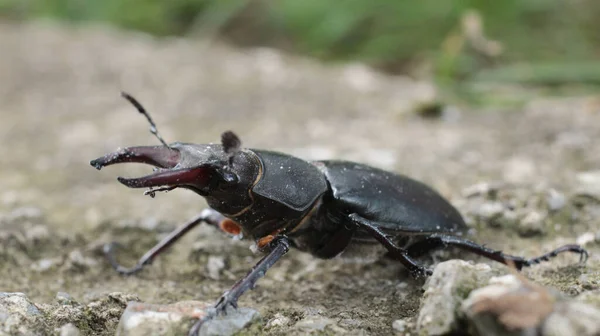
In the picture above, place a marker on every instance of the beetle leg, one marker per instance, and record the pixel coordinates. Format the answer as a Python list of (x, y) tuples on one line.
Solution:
[(396, 252), (209, 216), (436, 240), (279, 246)]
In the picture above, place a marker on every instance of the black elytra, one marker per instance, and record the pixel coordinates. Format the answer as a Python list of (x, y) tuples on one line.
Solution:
[(322, 207)]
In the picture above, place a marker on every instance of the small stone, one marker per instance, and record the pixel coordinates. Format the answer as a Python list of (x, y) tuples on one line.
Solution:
[(588, 184), (314, 323), (586, 238), (399, 325), (450, 283), (532, 224), (214, 266), (64, 298), (588, 282), (555, 200), (45, 264), (69, 329), (485, 189), (37, 233), (177, 319), (279, 320), (77, 261), (490, 210)]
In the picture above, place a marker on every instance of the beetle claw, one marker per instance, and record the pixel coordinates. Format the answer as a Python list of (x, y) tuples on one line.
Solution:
[(583, 256)]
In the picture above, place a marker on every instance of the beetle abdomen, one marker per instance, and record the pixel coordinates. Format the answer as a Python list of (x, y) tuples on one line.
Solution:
[(399, 203)]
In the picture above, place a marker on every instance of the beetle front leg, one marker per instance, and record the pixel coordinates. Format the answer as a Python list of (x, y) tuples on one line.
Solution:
[(208, 216), (279, 246), (396, 252)]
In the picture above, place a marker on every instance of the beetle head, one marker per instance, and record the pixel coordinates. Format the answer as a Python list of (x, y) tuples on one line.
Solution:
[(222, 173)]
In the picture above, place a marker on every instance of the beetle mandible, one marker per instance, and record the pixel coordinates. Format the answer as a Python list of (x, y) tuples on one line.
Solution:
[(325, 208)]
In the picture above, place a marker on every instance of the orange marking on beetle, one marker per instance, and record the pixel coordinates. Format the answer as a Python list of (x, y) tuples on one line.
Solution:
[(264, 241), (230, 226)]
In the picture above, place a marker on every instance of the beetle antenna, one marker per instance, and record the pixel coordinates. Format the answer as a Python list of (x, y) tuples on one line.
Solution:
[(143, 111), (231, 144)]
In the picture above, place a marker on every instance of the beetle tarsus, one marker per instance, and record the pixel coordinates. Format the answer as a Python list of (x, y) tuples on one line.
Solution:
[(573, 248), (208, 216)]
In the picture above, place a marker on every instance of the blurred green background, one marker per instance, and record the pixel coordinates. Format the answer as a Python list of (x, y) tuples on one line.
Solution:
[(540, 42)]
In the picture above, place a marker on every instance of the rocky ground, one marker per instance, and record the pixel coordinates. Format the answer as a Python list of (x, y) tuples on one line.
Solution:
[(527, 180)]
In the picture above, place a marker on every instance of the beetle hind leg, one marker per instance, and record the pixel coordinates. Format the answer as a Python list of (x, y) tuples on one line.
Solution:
[(439, 241), (396, 252)]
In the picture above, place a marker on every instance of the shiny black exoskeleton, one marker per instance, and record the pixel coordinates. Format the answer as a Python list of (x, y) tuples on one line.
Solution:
[(326, 208)]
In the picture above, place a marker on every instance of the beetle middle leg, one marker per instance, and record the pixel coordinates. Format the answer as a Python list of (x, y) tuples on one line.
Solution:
[(279, 246), (436, 241), (208, 216)]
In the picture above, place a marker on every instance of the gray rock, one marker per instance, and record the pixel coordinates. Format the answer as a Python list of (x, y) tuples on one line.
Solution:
[(486, 306), (450, 283), (19, 316), (512, 305), (176, 319)]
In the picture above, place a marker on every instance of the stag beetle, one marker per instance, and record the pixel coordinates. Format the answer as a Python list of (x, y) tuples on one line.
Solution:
[(325, 208)]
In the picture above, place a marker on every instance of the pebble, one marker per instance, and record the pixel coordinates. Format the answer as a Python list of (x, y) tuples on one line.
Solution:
[(555, 200), (69, 329), (177, 319), (278, 320), (214, 266), (588, 184), (399, 325)]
